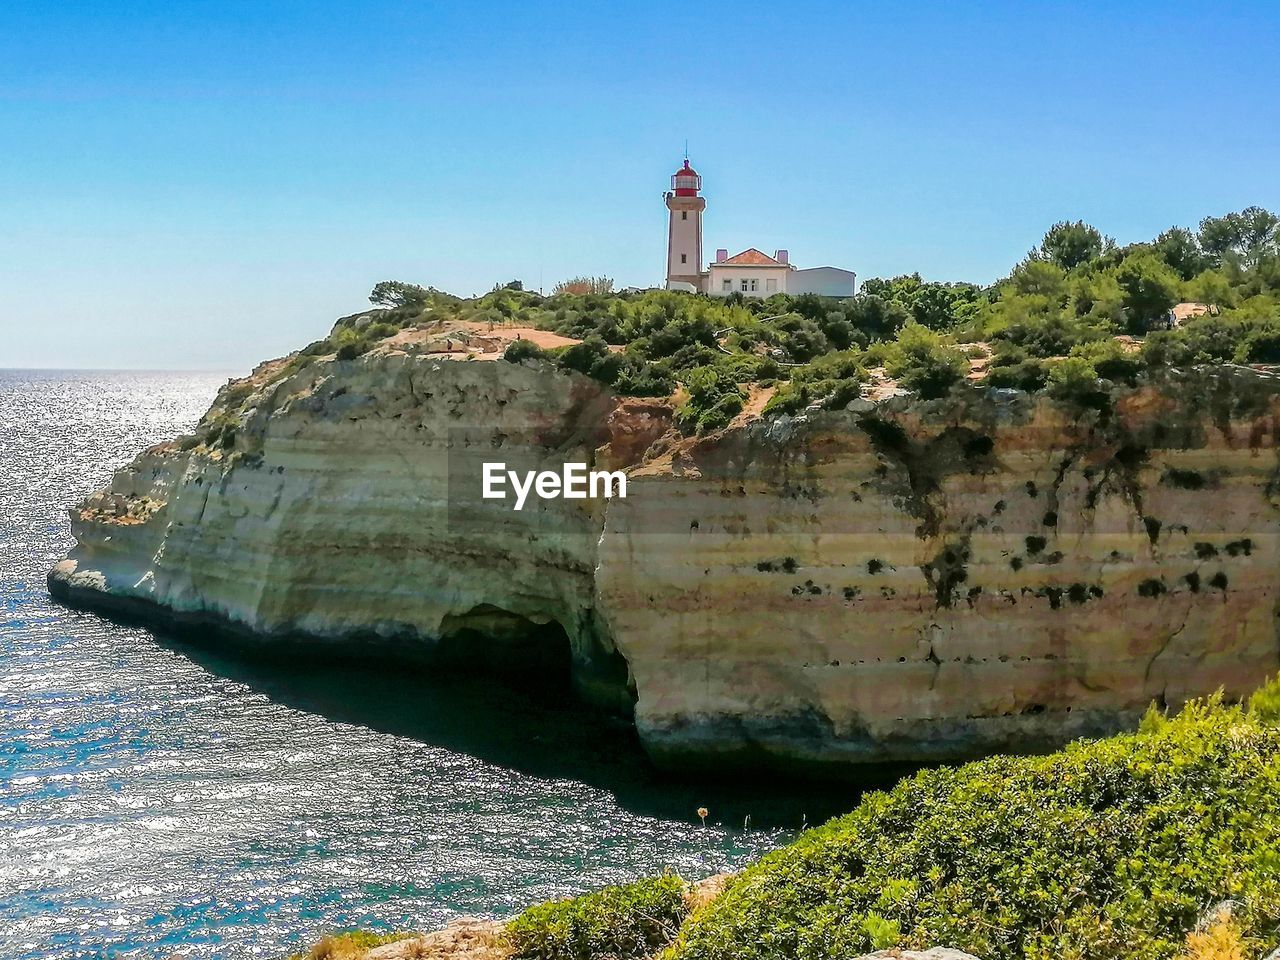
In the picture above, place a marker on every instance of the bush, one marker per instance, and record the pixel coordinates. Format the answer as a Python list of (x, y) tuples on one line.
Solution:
[(1028, 374), (1260, 346), (789, 399), (1220, 941), (1110, 360), (714, 400), (1011, 367), (795, 396), (589, 357), (925, 363), (1074, 381), (833, 380), (518, 350), (348, 343), (622, 922), (1108, 850), (721, 413), (876, 317), (640, 379), (1231, 336), (1051, 336)]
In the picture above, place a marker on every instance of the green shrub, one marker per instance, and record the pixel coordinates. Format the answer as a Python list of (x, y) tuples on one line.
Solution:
[(591, 357), (1107, 850), (518, 350), (714, 400), (1264, 705), (622, 922), (720, 413), (640, 379), (789, 399), (925, 363), (1051, 335), (832, 380), (348, 343), (795, 396), (1075, 381), (1261, 345), (1110, 360), (1028, 374), (801, 337), (349, 351)]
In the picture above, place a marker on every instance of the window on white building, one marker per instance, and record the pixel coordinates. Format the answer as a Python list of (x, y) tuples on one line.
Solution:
[(684, 258), (684, 214), (753, 285), (726, 286), (771, 285)]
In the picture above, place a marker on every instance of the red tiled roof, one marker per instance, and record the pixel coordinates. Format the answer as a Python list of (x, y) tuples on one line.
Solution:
[(751, 257)]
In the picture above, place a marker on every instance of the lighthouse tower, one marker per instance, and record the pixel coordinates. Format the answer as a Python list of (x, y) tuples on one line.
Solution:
[(684, 233)]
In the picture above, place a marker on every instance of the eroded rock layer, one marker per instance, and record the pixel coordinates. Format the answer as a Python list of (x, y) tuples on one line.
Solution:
[(899, 581)]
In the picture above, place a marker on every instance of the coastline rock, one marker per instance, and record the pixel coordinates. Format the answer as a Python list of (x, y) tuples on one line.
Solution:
[(913, 581), (464, 939)]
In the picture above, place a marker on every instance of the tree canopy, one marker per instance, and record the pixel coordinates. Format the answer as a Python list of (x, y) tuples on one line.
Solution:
[(1070, 244), (396, 293)]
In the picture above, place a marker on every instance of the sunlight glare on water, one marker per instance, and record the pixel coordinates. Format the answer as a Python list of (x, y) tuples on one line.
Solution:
[(157, 795)]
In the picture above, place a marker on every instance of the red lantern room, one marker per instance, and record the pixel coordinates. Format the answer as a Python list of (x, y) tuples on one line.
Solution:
[(686, 182)]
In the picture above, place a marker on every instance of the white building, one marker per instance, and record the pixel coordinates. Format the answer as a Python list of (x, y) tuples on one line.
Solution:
[(751, 272)]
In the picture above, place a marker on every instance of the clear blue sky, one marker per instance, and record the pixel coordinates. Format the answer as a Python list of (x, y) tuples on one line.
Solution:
[(205, 184)]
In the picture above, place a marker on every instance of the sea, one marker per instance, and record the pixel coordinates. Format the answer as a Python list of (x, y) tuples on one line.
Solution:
[(162, 795)]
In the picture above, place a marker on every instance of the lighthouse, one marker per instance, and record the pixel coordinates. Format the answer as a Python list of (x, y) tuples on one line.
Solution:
[(684, 232)]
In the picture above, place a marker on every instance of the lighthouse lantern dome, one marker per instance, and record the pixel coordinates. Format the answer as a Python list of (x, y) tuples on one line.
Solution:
[(685, 182)]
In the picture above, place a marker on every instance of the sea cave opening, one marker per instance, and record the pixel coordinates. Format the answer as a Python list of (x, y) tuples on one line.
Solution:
[(537, 656), (488, 640)]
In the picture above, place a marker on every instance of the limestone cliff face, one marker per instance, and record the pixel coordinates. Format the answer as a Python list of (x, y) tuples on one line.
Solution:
[(902, 581)]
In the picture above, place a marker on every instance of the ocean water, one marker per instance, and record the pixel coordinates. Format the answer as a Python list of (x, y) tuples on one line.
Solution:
[(161, 795)]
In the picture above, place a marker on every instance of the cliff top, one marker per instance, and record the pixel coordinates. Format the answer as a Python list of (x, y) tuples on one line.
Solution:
[(1077, 318)]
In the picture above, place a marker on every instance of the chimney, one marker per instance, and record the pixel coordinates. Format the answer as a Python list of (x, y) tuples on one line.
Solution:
[(721, 255), (782, 256)]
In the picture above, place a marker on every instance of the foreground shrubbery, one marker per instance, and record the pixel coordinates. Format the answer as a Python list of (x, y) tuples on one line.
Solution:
[(1109, 849), (622, 922)]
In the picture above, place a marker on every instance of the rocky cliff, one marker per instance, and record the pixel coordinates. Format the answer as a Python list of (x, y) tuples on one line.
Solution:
[(898, 581)]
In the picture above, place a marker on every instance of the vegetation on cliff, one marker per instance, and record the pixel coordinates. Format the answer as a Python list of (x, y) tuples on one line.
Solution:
[(1075, 315), (626, 921), (1108, 849)]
